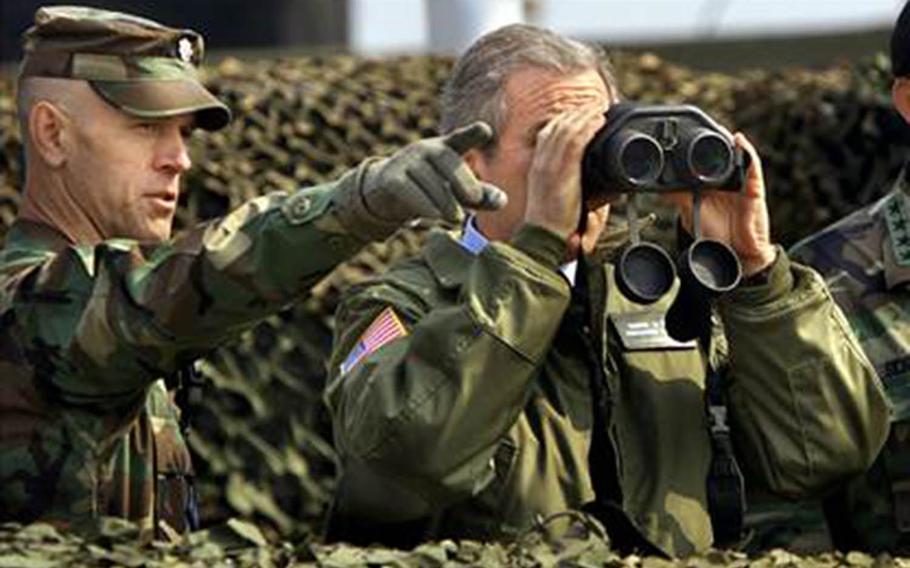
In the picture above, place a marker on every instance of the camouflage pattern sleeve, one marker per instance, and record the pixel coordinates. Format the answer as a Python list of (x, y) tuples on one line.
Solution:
[(109, 320)]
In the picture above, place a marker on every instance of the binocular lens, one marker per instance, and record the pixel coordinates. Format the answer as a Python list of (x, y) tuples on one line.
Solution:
[(714, 266), (710, 157), (645, 273), (641, 159), (707, 269)]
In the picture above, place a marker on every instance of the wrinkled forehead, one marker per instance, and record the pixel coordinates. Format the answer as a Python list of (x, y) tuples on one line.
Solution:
[(541, 90), (534, 93)]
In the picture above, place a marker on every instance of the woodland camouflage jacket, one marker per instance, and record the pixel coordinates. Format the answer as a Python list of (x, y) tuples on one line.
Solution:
[(87, 427)]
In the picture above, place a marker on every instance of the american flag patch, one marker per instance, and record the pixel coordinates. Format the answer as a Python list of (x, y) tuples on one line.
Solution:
[(384, 329)]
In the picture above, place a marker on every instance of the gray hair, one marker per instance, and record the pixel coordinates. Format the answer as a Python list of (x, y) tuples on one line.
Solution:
[(474, 90)]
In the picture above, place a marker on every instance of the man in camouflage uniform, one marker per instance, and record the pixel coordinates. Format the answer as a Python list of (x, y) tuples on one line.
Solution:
[(98, 303), (865, 259), (494, 381)]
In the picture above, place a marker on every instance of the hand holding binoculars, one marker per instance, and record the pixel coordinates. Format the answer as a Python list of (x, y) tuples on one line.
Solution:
[(662, 149)]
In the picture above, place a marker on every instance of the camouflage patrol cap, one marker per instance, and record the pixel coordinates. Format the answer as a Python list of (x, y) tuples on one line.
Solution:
[(139, 66)]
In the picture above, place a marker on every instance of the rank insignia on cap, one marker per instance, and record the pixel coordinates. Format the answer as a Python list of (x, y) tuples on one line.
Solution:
[(185, 50), (387, 327)]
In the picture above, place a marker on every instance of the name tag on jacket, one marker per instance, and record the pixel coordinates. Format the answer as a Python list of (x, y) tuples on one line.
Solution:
[(639, 331)]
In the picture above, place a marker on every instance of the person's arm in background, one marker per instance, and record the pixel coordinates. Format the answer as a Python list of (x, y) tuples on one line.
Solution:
[(115, 317)]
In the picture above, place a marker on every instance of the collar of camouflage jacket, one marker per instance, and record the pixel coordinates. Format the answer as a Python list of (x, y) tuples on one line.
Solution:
[(28, 239), (31, 235)]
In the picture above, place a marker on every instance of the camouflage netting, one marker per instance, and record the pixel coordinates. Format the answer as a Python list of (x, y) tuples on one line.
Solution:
[(829, 142), (240, 544)]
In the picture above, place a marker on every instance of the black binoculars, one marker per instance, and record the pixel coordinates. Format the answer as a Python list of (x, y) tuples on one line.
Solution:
[(654, 148), (660, 148)]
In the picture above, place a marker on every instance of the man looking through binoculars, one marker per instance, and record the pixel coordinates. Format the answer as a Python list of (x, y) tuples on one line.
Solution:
[(500, 376)]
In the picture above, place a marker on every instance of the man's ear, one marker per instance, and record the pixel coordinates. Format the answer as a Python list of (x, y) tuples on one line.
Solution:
[(47, 127), (900, 96)]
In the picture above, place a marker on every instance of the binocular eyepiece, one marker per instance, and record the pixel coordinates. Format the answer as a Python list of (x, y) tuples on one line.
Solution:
[(660, 148)]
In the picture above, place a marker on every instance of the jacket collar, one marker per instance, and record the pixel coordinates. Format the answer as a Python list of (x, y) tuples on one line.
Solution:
[(448, 253), (35, 236), (474, 241), (28, 240), (447, 258)]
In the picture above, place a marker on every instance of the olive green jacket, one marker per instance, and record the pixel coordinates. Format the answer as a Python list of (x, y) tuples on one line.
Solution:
[(87, 428), (479, 420), (865, 258)]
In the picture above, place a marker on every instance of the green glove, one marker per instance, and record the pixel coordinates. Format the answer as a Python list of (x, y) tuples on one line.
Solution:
[(428, 178)]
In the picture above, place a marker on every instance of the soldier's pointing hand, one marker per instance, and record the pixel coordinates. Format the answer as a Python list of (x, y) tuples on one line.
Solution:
[(427, 178)]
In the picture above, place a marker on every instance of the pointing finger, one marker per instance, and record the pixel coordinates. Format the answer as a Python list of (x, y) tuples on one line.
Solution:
[(473, 135), (493, 197)]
